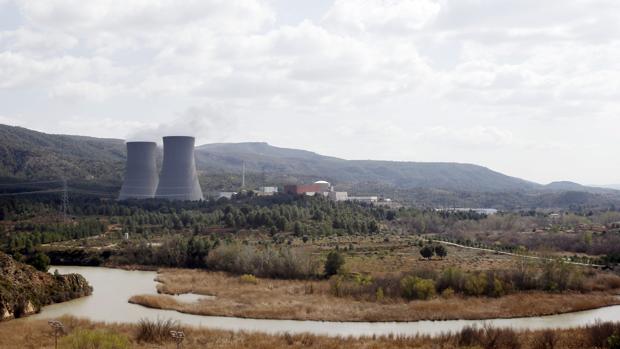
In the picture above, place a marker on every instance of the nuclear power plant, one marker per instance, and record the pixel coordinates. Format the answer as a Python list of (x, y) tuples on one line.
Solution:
[(140, 171), (178, 179)]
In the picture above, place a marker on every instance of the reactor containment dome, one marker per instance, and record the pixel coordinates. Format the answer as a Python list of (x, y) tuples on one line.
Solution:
[(178, 179), (140, 181)]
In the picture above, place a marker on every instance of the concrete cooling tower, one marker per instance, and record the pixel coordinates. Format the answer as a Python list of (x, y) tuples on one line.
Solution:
[(178, 179), (140, 172)]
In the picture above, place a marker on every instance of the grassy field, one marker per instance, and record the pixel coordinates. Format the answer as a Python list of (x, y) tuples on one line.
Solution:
[(312, 300), (37, 334)]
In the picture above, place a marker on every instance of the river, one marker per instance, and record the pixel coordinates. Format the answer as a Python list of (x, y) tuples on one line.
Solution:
[(113, 287)]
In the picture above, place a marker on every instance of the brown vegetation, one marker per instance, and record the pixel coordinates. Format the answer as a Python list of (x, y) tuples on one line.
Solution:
[(36, 334), (24, 290), (312, 300)]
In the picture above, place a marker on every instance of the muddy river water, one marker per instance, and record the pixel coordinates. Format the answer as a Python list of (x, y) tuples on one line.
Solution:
[(113, 287)]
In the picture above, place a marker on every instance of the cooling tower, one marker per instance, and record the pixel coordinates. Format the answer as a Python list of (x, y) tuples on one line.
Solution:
[(178, 179), (140, 172)]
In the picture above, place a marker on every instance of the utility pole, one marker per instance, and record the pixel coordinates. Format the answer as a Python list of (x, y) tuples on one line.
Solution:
[(58, 327), (178, 337), (64, 201), (243, 177)]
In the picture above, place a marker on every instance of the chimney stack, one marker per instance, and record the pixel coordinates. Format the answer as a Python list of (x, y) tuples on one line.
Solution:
[(178, 179), (141, 179)]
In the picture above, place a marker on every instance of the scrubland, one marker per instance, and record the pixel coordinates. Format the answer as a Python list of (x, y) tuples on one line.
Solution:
[(147, 334), (315, 300)]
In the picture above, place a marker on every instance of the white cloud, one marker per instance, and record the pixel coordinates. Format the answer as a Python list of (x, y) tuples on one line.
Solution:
[(35, 42), (206, 123), (140, 16), (384, 16), (401, 79), (81, 90)]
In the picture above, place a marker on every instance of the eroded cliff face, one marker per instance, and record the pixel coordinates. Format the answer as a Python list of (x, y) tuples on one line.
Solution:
[(24, 290)]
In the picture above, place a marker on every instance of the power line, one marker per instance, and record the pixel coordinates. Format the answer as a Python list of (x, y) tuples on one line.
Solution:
[(28, 183), (32, 192), (65, 200)]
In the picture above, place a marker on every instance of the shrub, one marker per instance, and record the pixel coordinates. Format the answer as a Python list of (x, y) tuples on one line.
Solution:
[(447, 293), (547, 339), (379, 294), (248, 279), (40, 261), (155, 331), (441, 251), (453, 278), (599, 333), (94, 339), (496, 288), (475, 285), (334, 262), (283, 263), (427, 252), (414, 287), (614, 341)]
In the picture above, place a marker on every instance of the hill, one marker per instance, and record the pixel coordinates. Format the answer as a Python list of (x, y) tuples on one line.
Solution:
[(97, 164), (27, 154), (264, 158), (572, 186)]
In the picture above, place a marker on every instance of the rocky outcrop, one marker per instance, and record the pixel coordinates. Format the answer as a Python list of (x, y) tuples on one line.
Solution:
[(24, 290)]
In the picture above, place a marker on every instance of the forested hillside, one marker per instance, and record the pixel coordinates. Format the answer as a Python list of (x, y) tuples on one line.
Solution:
[(97, 165), (27, 154), (264, 158)]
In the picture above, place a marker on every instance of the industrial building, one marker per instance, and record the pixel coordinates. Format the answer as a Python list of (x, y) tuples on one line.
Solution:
[(338, 195), (178, 179), (366, 199), (320, 187), (141, 179), (266, 191)]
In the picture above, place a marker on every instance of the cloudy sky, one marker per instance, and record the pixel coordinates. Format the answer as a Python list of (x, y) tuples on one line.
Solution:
[(527, 87)]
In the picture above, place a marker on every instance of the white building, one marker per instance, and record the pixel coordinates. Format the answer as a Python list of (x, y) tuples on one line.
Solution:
[(366, 199), (266, 191), (338, 195), (225, 194)]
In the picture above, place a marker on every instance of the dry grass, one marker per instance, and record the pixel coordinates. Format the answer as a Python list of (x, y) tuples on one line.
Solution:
[(37, 334), (398, 256), (311, 300)]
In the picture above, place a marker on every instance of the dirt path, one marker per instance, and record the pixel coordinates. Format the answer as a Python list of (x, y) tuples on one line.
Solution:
[(514, 254)]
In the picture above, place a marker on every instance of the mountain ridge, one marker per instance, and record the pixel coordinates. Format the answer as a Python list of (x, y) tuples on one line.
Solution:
[(31, 155)]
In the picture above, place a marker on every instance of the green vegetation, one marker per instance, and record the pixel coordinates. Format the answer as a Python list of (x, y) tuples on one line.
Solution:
[(94, 339), (40, 261), (427, 252), (334, 263), (614, 340), (24, 236), (441, 251), (248, 279), (414, 287), (24, 290), (552, 276), (31, 155)]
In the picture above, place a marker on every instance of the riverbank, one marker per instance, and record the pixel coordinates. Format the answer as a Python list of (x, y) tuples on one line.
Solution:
[(311, 300), (24, 289), (36, 334)]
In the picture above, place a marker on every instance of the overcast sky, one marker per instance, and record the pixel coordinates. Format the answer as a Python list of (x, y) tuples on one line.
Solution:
[(529, 88)]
